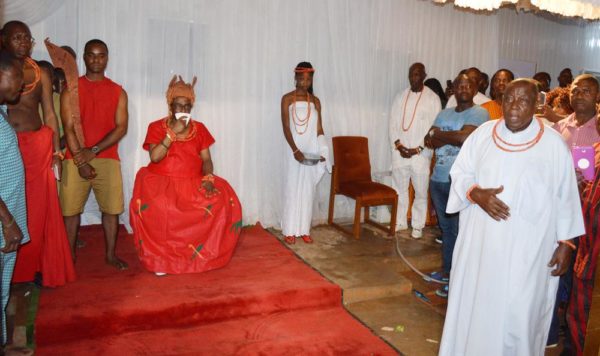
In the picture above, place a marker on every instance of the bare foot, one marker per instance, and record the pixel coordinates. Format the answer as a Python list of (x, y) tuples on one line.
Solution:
[(117, 263), (11, 350)]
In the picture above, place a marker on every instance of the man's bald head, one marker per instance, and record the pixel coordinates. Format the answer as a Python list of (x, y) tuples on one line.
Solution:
[(416, 65), (416, 76), (12, 25), (519, 103), (531, 83)]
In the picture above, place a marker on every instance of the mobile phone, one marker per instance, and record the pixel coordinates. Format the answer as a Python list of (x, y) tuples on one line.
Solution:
[(542, 99), (584, 159), (55, 170)]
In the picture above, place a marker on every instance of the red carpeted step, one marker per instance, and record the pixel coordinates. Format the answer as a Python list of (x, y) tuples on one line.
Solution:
[(263, 277), (325, 331)]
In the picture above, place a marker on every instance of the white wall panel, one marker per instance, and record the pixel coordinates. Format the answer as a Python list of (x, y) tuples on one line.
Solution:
[(243, 53)]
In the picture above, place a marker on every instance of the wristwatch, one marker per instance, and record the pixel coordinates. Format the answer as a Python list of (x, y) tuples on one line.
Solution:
[(95, 150)]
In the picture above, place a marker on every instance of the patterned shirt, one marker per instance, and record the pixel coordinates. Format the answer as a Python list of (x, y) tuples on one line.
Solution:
[(584, 135), (12, 176)]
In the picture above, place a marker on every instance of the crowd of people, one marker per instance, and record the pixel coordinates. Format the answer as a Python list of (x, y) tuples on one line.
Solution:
[(515, 190), (516, 214)]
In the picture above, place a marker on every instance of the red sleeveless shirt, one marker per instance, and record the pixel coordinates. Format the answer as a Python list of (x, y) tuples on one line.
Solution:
[(98, 101)]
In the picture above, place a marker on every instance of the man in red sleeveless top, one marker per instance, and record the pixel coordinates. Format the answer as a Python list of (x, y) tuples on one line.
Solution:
[(48, 250), (94, 164)]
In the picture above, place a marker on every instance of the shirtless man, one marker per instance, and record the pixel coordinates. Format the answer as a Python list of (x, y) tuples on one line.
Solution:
[(40, 149)]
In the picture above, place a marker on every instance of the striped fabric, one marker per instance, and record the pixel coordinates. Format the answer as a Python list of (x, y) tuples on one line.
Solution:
[(585, 135), (586, 261)]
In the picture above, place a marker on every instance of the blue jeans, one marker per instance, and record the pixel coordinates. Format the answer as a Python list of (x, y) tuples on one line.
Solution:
[(448, 223)]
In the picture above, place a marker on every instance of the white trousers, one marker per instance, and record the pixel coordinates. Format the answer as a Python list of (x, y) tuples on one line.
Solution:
[(416, 172)]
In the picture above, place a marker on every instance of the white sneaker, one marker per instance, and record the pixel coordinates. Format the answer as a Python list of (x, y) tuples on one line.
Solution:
[(160, 274), (417, 233)]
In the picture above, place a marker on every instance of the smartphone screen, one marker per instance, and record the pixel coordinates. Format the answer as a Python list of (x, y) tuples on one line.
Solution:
[(584, 159)]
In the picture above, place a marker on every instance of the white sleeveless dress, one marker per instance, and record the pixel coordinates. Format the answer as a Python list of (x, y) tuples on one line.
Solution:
[(300, 180)]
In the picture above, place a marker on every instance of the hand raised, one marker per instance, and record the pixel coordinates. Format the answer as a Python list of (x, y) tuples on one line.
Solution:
[(487, 200), (179, 126)]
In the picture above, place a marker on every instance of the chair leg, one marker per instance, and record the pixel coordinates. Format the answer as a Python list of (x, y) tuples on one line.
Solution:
[(331, 199), (393, 217), (356, 227), (367, 217), (331, 207)]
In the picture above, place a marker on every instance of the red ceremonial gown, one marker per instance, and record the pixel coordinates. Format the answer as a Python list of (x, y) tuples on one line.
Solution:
[(48, 251), (176, 228)]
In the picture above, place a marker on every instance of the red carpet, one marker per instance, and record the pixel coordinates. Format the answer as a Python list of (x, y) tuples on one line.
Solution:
[(265, 302)]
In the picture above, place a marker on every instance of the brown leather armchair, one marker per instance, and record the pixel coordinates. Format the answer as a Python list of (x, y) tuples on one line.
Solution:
[(352, 177)]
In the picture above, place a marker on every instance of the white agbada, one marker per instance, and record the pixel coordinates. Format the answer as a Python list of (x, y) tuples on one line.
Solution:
[(501, 291), (416, 168), (300, 181)]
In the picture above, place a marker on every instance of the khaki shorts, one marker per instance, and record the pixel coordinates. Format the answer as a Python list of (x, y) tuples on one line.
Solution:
[(107, 186)]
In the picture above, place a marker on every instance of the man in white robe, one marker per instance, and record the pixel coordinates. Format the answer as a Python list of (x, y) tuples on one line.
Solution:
[(413, 112), (514, 185)]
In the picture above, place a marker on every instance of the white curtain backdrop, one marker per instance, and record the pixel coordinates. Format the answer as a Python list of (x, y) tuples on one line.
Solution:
[(244, 52)]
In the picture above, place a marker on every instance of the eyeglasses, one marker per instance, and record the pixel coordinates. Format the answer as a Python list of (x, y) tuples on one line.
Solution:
[(182, 107), (22, 38)]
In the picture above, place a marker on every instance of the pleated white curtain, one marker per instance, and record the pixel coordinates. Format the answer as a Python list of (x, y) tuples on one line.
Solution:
[(28, 11), (244, 52)]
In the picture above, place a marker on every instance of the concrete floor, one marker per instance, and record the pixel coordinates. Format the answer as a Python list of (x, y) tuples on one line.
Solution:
[(377, 285)]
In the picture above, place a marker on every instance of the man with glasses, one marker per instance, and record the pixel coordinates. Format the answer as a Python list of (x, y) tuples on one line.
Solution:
[(94, 163), (38, 138)]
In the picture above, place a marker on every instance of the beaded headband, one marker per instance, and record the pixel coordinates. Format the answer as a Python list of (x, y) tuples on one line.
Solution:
[(304, 70)]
